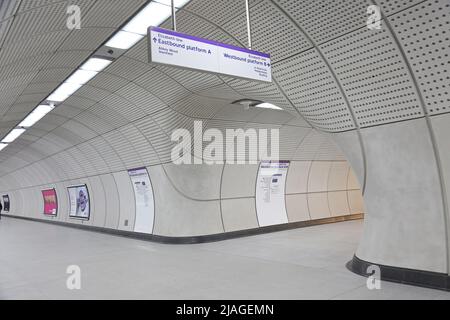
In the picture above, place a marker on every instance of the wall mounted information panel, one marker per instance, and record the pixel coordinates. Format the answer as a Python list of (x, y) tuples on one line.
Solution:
[(79, 205), (6, 204), (270, 192), (143, 194), (182, 50), (50, 202)]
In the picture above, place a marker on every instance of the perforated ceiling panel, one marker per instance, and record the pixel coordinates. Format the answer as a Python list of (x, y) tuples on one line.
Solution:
[(324, 20), (217, 11), (192, 80), (191, 24), (40, 44), (7, 10), (271, 31), (390, 7), (166, 88), (127, 68), (45, 18), (428, 50), (262, 91), (308, 83), (107, 13), (199, 107), (374, 77)]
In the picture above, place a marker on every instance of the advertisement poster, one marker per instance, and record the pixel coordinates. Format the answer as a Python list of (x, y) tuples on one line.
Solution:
[(143, 194), (270, 192), (79, 202), (6, 203), (50, 202)]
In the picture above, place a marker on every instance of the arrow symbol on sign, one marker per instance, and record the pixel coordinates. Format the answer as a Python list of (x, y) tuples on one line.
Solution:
[(154, 39), (209, 51)]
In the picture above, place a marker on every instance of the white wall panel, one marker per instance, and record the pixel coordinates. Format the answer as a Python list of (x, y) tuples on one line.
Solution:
[(338, 176), (355, 201), (405, 225), (112, 201), (297, 177), (239, 181), (99, 205), (176, 215), (318, 205), (239, 214), (338, 203), (297, 207), (63, 202), (318, 176), (127, 201), (350, 145), (200, 182)]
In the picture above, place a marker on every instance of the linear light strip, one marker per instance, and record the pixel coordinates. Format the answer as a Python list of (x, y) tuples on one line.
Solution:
[(13, 135), (38, 113)]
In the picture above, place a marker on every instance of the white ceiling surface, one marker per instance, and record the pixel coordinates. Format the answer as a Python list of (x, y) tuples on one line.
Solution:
[(328, 67)]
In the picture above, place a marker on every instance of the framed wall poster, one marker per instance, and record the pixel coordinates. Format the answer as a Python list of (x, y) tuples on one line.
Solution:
[(143, 194), (6, 204), (50, 202), (270, 192), (79, 205)]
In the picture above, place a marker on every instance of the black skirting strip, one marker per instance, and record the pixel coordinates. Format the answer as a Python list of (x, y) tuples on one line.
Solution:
[(427, 279), (198, 239)]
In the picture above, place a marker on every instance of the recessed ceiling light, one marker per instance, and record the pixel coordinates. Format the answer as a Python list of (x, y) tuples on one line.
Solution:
[(247, 103), (266, 105), (151, 16), (81, 76), (36, 115), (3, 146), (13, 135), (96, 64), (64, 91), (124, 40)]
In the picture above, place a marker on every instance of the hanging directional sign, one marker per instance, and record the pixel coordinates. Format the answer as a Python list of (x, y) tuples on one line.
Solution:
[(182, 50)]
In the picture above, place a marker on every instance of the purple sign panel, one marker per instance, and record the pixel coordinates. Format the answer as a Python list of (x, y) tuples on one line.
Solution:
[(186, 51)]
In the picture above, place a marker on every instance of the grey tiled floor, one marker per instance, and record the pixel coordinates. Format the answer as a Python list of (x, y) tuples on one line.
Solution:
[(306, 263)]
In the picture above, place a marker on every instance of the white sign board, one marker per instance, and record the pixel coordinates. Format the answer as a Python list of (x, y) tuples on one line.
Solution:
[(270, 193), (182, 50), (143, 194)]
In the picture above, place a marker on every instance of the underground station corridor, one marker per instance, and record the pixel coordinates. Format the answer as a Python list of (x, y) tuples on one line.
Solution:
[(193, 150)]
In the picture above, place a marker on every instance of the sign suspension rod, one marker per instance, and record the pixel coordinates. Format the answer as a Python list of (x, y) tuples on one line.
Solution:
[(174, 18), (249, 26)]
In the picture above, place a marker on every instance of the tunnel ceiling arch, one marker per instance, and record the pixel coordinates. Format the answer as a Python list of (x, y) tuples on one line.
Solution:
[(325, 76)]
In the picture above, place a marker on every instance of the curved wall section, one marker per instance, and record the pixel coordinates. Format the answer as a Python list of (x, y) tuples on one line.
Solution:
[(409, 233), (189, 206)]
